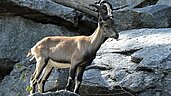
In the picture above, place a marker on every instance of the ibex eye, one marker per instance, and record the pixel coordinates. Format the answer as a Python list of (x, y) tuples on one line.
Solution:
[(107, 26)]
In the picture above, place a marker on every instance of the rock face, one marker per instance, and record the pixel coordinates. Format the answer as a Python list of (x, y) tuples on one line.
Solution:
[(47, 11), (18, 35), (164, 2), (139, 63), (154, 16), (6, 66), (152, 60), (48, 7), (16, 31), (58, 93)]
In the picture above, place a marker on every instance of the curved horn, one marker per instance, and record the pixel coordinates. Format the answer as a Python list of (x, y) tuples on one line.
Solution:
[(95, 5), (108, 10), (104, 9)]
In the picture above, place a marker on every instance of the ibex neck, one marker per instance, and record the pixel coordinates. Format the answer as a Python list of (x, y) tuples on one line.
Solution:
[(97, 39)]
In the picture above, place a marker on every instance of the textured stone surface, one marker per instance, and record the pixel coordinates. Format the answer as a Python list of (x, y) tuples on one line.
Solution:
[(138, 63), (48, 12), (154, 57), (57, 93), (48, 7), (135, 39), (160, 14), (18, 35), (113, 71), (164, 2), (145, 77), (6, 66), (154, 16)]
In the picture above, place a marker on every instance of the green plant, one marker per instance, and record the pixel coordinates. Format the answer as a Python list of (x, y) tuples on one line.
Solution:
[(19, 66), (29, 88), (23, 76), (18, 94)]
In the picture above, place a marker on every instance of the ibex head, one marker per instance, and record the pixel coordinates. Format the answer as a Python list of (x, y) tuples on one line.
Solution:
[(105, 19)]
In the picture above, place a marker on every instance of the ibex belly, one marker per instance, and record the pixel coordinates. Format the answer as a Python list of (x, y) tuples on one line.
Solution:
[(58, 64)]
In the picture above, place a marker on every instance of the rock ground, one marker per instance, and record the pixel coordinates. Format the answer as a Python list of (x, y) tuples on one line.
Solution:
[(139, 63)]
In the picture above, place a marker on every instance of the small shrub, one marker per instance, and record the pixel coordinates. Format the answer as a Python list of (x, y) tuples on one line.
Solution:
[(29, 88)]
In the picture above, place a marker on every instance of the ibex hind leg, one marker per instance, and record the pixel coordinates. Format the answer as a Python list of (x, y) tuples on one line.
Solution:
[(41, 63), (32, 85), (46, 72)]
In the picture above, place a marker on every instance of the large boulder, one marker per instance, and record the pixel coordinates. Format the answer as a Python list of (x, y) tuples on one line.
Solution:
[(6, 66), (137, 64), (150, 50), (154, 16), (18, 35), (19, 80), (159, 15), (164, 2), (54, 13), (48, 7), (48, 12), (57, 93)]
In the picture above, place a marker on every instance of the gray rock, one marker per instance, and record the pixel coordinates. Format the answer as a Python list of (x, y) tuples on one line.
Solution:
[(151, 16), (139, 81), (135, 39), (154, 57), (154, 16), (57, 93), (166, 84), (6, 66), (103, 78), (48, 12), (160, 13), (57, 80), (113, 72), (129, 3), (16, 83), (18, 35), (164, 2), (19, 79), (151, 47), (48, 7)]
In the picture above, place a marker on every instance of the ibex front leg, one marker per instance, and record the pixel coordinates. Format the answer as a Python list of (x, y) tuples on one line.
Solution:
[(71, 78), (78, 80)]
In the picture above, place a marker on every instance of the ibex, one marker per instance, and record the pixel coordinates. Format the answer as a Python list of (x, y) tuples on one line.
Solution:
[(70, 52)]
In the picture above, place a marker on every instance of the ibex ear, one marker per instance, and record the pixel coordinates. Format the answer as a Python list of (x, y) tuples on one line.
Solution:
[(101, 10), (100, 21)]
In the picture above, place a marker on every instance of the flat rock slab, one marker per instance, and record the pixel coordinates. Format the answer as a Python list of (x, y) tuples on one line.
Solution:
[(137, 39), (115, 66), (154, 57), (164, 2), (57, 93), (18, 35)]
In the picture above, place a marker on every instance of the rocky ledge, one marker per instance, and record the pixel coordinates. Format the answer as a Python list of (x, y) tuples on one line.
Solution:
[(138, 64)]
